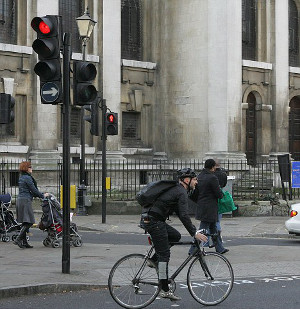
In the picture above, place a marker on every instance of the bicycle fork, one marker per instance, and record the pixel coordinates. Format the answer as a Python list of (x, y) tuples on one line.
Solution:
[(204, 266)]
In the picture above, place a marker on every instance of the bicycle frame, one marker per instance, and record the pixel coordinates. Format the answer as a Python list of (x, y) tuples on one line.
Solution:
[(199, 252)]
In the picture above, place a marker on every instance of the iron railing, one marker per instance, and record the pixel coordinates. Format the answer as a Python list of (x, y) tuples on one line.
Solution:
[(261, 182)]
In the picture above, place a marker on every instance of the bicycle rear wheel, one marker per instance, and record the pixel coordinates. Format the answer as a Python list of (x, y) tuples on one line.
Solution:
[(133, 284), (210, 278)]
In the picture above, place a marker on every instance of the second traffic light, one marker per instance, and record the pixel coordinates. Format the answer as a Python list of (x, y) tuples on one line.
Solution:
[(47, 46), (93, 118), (84, 74), (111, 123), (7, 103)]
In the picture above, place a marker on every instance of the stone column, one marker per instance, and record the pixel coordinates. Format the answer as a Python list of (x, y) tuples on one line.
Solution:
[(224, 75), (280, 84), (112, 62)]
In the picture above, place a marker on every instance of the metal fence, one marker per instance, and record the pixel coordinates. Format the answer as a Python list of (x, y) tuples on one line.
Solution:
[(261, 182)]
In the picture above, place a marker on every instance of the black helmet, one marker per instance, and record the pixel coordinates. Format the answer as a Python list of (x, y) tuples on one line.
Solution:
[(186, 172)]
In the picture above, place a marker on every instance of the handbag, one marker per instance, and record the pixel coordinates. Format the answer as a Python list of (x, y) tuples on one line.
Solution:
[(226, 204)]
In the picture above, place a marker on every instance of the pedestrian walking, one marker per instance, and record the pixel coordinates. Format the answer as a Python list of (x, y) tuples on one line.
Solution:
[(222, 177), (27, 190), (207, 193)]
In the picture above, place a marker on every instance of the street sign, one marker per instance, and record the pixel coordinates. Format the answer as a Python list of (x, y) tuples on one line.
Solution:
[(295, 174), (50, 92)]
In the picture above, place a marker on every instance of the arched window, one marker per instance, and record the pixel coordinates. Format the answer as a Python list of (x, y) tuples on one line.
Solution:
[(70, 10), (293, 34), (131, 30), (294, 128), (249, 13), (8, 21), (251, 130)]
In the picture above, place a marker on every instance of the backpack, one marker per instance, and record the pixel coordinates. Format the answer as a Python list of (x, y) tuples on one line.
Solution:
[(153, 190)]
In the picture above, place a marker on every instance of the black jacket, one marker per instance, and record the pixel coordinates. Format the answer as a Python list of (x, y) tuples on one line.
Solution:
[(173, 200), (222, 176), (208, 193)]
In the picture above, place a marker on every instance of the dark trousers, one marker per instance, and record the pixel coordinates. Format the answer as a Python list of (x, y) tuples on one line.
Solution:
[(161, 234)]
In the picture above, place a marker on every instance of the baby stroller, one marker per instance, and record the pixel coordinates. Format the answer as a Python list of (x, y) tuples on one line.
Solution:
[(52, 223), (8, 223)]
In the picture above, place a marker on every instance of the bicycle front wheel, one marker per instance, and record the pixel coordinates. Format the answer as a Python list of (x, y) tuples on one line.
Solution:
[(210, 278), (132, 283)]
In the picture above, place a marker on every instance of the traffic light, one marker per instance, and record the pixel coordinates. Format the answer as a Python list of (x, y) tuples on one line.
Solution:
[(111, 123), (47, 46), (84, 92), (93, 118), (7, 103)]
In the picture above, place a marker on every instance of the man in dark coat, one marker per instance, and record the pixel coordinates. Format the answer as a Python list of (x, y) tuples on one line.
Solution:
[(207, 194)]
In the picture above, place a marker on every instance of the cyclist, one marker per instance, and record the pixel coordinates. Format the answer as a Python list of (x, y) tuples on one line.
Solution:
[(154, 222)]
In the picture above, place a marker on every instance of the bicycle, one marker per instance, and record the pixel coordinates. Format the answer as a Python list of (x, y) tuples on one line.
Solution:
[(133, 284)]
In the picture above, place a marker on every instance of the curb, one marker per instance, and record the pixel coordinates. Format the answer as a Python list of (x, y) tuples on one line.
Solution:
[(47, 289)]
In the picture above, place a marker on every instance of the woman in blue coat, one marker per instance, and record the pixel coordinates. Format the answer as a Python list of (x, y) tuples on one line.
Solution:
[(27, 191)]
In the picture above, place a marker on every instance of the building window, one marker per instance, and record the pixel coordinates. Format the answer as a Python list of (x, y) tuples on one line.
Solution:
[(131, 30), (70, 10), (8, 21), (131, 126), (249, 15), (293, 35), (75, 125), (7, 130)]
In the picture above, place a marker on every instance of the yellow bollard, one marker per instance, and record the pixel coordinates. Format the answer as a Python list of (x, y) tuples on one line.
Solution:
[(108, 183), (72, 196)]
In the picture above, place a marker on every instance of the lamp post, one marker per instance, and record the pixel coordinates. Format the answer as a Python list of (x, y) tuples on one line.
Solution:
[(85, 26)]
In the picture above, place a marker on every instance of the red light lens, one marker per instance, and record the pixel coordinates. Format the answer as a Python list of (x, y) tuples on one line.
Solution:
[(44, 28), (294, 213), (111, 118)]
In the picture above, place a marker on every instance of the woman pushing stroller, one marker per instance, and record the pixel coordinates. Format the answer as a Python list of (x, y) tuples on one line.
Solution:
[(27, 191)]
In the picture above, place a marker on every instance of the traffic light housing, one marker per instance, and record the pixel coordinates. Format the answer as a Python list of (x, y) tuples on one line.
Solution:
[(93, 118), (84, 74), (111, 123), (7, 103), (47, 46)]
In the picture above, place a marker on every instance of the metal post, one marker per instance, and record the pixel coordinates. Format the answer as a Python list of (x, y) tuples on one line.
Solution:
[(103, 107), (81, 187), (66, 154)]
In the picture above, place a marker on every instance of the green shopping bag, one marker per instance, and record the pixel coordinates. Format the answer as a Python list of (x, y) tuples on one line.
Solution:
[(226, 204)]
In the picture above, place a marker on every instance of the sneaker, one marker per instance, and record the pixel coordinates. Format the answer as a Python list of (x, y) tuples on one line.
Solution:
[(152, 264), (169, 295), (224, 251)]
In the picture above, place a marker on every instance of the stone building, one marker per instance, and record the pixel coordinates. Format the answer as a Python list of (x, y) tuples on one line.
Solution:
[(188, 78)]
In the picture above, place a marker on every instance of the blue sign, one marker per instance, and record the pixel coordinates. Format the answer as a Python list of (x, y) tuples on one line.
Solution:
[(295, 174), (50, 92)]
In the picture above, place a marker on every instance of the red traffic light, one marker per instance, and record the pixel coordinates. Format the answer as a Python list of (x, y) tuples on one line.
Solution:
[(111, 124), (111, 118), (44, 28), (42, 25)]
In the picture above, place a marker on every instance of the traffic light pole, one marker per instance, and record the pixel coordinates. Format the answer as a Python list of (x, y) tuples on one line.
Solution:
[(82, 187), (66, 154), (103, 108)]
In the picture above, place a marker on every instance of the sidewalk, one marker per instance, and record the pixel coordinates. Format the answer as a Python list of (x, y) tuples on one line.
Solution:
[(27, 271)]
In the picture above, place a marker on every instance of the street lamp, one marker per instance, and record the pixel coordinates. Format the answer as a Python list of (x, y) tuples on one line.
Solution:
[(85, 26)]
